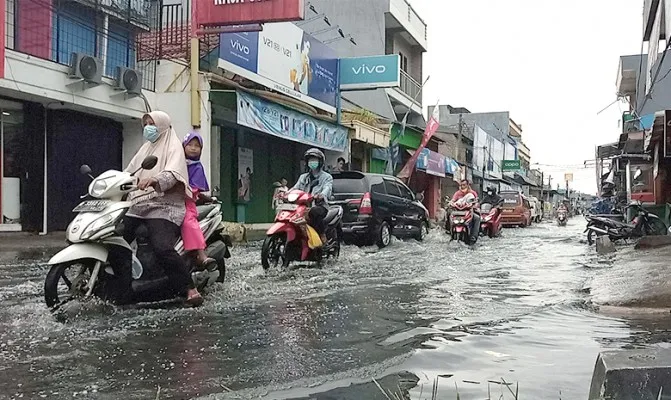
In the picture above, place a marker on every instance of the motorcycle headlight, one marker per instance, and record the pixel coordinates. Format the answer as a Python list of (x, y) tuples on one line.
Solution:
[(292, 197), (98, 188), (104, 221)]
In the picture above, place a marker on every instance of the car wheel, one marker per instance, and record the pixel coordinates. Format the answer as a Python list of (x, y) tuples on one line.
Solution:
[(383, 235), (423, 231)]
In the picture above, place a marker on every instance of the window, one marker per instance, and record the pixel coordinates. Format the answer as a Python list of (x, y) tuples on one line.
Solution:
[(392, 188), (349, 186), (120, 49), (377, 186), (404, 62), (74, 32), (405, 192)]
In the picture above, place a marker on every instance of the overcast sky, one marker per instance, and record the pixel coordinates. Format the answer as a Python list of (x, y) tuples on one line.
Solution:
[(552, 64)]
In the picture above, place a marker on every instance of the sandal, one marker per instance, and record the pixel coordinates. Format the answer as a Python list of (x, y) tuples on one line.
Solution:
[(194, 299)]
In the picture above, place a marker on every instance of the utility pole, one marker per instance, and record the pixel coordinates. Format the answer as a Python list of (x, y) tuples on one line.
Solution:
[(459, 137), (484, 168)]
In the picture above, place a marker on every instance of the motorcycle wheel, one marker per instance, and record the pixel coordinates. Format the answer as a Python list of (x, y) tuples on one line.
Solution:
[(423, 231), (591, 237), (74, 285), (655, 227), (273, 251)]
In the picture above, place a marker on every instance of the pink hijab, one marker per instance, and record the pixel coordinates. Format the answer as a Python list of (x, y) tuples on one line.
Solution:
[(168, 148)]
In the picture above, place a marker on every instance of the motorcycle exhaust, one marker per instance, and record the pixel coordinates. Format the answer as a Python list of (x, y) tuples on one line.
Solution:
[(599, 230)]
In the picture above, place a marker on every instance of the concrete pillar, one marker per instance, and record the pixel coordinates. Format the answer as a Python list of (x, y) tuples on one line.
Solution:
[(632, 375)]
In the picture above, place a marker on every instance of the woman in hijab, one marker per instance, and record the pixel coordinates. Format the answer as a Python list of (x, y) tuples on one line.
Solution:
[(160, 202)]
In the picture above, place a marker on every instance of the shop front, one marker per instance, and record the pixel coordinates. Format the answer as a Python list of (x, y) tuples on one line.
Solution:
[(364, 140), (39, 197), (262, 142), (431, 167), (407, 141)]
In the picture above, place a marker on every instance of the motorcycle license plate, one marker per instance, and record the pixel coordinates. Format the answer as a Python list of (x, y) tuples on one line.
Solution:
[(287, 207), (92, 206)]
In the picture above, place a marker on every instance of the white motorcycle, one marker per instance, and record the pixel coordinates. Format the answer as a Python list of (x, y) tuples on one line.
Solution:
[(97, 248)]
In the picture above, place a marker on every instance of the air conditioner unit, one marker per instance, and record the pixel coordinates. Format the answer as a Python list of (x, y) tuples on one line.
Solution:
[(129, 80), (85, 67)]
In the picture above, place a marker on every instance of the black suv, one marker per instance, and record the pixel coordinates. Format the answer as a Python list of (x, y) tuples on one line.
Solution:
[(376, 207)]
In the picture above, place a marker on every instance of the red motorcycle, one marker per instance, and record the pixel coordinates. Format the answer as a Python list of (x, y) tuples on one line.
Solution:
[(491, 220), (461, 217), (292, 239)]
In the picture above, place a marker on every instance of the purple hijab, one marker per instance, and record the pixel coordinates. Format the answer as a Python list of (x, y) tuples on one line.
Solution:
[(197, 178)]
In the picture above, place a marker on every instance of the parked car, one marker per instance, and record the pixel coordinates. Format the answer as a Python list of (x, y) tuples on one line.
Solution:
[(376, 207), (516, 209), (536, 209)]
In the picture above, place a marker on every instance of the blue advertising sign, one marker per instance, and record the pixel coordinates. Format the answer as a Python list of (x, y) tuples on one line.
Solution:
[(282, 122), (284, 58), (370, 72)]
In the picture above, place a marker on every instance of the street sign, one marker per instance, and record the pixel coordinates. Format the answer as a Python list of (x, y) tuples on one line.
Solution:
[(370, 72), (568, 177), (511, 165)]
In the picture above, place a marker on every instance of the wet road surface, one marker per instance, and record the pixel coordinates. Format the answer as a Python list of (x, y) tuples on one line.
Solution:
[(522, 308)]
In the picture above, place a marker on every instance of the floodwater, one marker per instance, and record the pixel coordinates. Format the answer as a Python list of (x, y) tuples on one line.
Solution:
[(533, 308)]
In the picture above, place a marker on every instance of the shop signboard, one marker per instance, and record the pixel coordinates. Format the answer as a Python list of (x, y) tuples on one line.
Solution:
[(568, 177), (371, 72), (276, 120), (284, 58), (431, 162), (451, 166), (511, 165), (244, 12)]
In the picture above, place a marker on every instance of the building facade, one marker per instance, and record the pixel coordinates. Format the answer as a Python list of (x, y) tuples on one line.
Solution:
[(62, 104)]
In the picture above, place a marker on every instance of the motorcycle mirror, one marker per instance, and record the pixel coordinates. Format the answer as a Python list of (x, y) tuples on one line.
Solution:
[(419, 196), (85, 170), (149, 162)]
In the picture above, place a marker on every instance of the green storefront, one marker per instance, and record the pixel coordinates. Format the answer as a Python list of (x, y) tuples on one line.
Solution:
[(248, 197), (410, 140)]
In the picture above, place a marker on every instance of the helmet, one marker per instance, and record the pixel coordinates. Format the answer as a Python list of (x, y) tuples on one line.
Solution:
[(491, 189), (315, 153)]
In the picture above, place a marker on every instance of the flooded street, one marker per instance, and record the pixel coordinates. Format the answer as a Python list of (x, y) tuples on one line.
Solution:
[(522, 307)]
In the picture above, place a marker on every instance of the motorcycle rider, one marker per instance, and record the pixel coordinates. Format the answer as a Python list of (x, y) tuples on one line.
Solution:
[(464, 189), (319, 184), (491, 197)]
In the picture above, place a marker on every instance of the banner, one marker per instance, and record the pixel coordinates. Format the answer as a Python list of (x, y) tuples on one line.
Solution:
[(241, 12), (431, 128), (432, 163), (274, 119), (284, 58)]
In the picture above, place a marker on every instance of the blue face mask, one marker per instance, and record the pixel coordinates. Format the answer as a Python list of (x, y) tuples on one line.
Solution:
[(150, 133), (313, 165)]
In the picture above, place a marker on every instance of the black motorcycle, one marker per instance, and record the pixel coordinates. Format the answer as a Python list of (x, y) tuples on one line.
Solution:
[(643, 224)]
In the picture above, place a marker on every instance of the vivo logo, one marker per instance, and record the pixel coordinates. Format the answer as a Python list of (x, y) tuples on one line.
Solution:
[(364, 69), (240, 47)]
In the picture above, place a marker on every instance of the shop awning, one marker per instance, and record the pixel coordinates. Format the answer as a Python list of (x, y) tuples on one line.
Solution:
[(523, 180), (368, 134)]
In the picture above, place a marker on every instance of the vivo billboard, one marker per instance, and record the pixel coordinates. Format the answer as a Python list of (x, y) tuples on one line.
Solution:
[(284, 58), (245, 12), (370, 72)]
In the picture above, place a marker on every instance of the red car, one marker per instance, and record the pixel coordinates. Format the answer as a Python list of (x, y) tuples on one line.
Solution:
[(516, 210)]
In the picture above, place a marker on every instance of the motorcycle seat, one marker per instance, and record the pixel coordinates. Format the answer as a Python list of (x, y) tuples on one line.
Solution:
[(204, 210), (333, 215)]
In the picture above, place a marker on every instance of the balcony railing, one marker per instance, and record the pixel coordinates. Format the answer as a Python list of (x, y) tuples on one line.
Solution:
[(411, 87), (407, 16), (52, 31)]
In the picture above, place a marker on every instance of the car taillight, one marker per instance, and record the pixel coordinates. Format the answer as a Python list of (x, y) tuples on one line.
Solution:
[(366, 206)]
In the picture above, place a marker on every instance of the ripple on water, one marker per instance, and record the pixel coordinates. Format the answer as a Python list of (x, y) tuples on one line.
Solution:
[(514, 306)]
